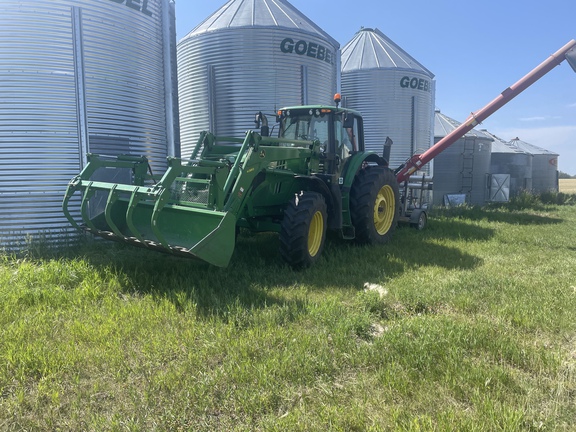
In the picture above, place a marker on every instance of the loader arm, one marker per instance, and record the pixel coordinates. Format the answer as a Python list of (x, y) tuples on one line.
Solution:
[(416, 162)]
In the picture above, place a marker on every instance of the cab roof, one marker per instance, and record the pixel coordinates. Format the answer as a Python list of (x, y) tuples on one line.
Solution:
[(337, 110)]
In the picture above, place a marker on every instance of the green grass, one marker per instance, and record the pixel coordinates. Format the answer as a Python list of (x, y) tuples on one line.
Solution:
[(476, 332)]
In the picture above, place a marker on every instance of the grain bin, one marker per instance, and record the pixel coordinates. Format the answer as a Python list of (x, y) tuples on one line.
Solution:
[(250, 56), (394, 92), (463, 168), (516, 163), (544, 166), (78, 76)]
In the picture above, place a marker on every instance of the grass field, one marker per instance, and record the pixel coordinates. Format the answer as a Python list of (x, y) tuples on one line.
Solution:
[(568, 186), (469, 325)]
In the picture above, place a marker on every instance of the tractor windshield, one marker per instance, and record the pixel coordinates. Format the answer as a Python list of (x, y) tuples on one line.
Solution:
[(305, 127)]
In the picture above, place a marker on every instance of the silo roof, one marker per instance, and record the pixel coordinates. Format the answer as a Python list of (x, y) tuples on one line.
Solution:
[(530, 148), (443, 125), (372, 49), (259, 13), (501, 146)]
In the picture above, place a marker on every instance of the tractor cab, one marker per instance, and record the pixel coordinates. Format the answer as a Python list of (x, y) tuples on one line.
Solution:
[(338, 130)]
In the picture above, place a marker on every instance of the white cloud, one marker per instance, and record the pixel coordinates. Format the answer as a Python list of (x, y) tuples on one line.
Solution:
[(533, 119), (572, 105), (539, 118), (558, 139)]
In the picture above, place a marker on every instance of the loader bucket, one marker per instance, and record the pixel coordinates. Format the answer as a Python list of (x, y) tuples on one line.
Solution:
[(192, 232), (144, 217), (185, 212)]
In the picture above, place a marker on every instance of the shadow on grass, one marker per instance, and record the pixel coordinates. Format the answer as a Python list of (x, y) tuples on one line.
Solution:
[(257, 277), (256, 269), (344, 265)]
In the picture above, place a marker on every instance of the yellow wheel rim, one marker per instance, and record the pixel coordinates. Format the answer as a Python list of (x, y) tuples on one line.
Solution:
[(384, 209), (315, 233)]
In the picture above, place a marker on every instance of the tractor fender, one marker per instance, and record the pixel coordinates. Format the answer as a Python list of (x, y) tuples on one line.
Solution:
[(355, 163), (331, 194)]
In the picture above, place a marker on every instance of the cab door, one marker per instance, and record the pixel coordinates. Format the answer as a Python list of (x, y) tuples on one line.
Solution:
[(346, 138)]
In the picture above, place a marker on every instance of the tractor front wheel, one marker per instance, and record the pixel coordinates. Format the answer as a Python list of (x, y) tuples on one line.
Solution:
[(375, 205), (303, 230)]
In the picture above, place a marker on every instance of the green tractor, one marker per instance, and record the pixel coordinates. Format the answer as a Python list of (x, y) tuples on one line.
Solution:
[(313, 177)]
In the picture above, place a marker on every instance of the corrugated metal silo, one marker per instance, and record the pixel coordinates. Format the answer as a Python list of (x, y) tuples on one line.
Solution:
[(250, 56), (464, 167), (78, 76), (544, 166), (513, 161), (394, 92)]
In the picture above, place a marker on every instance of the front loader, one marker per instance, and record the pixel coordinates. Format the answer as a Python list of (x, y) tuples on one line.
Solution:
[(315, 176)]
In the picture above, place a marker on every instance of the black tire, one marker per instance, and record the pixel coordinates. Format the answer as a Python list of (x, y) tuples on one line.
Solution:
[(303, 230), (375, 205), (421, 222)]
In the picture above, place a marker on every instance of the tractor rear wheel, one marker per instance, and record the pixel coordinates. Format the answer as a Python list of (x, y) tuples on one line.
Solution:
[(375, 205), (303, 230)]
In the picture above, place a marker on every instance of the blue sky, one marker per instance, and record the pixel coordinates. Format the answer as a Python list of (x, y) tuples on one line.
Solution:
[(475, 49)]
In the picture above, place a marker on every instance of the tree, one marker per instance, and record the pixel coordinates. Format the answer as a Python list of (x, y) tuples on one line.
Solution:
[(563, 175)]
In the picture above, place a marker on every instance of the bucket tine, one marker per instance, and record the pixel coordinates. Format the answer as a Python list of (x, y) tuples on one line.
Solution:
[(155, 215), (72, 188), (112, 198), (134, 200), (88, 193)]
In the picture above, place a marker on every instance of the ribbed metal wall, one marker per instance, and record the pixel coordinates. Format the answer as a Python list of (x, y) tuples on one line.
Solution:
[(394, 93), (76, 77), (544, 166), (545, 173), (464, 167), (516, 163), (226, 75)]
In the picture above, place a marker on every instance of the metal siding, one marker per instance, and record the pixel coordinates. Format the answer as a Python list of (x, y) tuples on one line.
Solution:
[(249, 74), (462, 169), (387, 110), (544, 166), (124, 66), (517, 165), (124, 89), (544, 173)]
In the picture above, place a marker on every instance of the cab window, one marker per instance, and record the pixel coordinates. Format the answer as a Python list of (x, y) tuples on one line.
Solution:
[(305, 127)]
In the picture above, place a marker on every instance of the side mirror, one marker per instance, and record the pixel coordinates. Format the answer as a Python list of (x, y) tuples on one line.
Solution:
[(264, 130)]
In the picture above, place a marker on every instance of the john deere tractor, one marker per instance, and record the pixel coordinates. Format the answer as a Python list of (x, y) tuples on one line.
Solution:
[(314, 176)]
